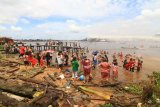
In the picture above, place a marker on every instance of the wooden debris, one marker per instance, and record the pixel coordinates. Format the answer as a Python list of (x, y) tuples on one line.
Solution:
[(11, 102), (50, 82), (51, 77), (32, 80), (50, 98), (39, 97), (13, 70), (24, 90), (106, 97)]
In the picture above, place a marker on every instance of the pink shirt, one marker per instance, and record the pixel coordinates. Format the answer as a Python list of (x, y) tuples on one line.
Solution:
[(104, 67), (115, 68)]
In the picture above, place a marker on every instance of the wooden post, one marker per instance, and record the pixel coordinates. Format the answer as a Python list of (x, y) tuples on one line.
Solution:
[(44, 47)]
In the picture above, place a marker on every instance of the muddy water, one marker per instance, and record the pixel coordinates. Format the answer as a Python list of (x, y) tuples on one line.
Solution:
[(151, 56)]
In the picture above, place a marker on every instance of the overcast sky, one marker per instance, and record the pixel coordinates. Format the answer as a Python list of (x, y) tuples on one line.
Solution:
[(77, 19)]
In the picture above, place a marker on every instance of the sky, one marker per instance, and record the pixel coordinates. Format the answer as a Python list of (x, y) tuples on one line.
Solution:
[(78, 19)]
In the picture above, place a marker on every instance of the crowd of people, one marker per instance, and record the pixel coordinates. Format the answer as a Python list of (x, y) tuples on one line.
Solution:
[(80, 61)]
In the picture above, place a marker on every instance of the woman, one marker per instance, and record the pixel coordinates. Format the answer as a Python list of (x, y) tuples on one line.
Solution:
[(104, 69), (75, 66), (86, 68)]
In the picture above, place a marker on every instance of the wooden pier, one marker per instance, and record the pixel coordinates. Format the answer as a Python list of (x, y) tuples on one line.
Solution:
[(61, 46)]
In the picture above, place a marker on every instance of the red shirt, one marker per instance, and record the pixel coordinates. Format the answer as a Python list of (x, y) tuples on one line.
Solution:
[(22, 50)]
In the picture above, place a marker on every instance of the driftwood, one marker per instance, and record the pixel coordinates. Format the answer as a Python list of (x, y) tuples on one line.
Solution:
[(39, 72), (11, 102), (3, 77), (24, 90), (32, 80), (119, 102), (50, 82), (98, 85), (106, 97), (51, 77), (13, 70), (13, 64), (39, 97), (50, 98), (110, 84)]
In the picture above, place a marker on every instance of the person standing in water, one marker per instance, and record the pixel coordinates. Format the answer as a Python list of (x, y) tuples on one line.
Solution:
[(115, 69), (139, 65), (95, 61), (105, 69), (105, 55), (86, 68)]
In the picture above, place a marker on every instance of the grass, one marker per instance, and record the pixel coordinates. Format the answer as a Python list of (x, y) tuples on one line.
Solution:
[(156, 76), (133, 88), (107, 105)]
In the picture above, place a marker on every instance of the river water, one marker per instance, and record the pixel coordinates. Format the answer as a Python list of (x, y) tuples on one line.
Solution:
[(150, 50)]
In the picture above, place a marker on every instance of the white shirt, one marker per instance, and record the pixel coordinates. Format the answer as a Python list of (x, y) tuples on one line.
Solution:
[(59, 60)]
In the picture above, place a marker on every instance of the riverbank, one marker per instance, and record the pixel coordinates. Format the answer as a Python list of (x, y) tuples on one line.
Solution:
[(75, 97)]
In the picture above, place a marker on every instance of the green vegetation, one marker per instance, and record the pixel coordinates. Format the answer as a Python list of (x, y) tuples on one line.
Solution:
[(133, 88), (156, 77), (1, 47), (151, 91), (156, 91), (107, 105)]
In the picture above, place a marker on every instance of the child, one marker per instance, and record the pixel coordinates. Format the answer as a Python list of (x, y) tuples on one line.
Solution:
[(75, 66), (115, 69)]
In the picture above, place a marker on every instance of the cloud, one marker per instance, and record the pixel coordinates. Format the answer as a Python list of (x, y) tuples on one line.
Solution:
[(24, 21), (12, 11), (16, 29), (2, 28), (81, 17)]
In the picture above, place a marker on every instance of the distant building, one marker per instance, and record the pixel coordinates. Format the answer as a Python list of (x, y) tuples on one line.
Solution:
[(6, 40)]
